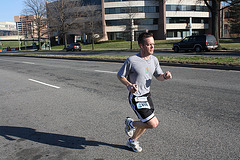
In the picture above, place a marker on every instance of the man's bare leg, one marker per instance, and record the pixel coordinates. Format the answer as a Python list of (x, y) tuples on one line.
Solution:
[(137, 134), (141, 127)]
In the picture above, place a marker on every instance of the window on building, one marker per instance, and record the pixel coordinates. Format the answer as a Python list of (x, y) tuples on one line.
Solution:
[(195, 32), (145, 21), (183, 33), (168, 7), (173, 7), (227, 14), (178, 8), (177, 20), (185, 20), (112, 10), (146, 9), (117, 10), (194, 8), (186, 8), (198, 8), (140, 9), (170, 34), (199, 20), (226, 29), (136, 22), (117, 22), (186, 33)]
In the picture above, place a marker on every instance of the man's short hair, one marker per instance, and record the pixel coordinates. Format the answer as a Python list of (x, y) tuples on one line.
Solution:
[(142, 36)]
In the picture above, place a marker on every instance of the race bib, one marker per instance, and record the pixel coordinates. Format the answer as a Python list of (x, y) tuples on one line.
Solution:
[(142, 102)]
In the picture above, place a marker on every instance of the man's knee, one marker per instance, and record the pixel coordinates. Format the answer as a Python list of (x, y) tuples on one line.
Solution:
[(153, 123)]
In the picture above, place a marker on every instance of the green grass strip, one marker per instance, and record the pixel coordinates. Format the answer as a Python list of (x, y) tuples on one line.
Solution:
[(230, 61)]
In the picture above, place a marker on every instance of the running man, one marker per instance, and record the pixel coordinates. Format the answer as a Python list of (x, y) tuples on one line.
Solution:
[(136, 74)]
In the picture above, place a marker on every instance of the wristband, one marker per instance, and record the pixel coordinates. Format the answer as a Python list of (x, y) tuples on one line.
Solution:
[(129, 87), (164, 76)]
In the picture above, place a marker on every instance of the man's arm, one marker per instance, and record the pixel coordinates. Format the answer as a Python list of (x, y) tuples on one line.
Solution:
[(165, 76), (131, 87)]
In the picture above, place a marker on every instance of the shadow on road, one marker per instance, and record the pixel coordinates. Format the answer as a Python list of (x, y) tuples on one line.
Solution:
[(65, 141)]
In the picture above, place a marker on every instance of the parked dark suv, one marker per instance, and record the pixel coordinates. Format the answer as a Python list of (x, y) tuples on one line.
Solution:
[(196, 43), (73, 47)]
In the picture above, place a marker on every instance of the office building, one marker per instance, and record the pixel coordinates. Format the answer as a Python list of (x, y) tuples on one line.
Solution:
[(225, 24), (8, 29), (171, 19), (27, 27)]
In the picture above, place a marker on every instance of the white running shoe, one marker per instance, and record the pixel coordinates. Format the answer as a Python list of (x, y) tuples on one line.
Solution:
[(129, 130), (134, 145)]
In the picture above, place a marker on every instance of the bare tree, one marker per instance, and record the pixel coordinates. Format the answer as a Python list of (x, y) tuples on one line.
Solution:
[(162, 21), (128, 22), (131, 13), (215, 9), (93, 22), (63, 16), (132, 22), (104, 36), (38, 9)]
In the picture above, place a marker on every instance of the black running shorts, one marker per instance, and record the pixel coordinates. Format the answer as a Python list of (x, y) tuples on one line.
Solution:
[(142, 106)]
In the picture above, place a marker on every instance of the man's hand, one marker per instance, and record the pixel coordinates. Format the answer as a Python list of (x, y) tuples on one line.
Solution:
[(132, 88), (167, 75)]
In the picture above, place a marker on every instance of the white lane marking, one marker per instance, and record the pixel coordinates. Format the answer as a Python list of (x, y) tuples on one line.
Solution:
[(28, 62), (44, 83), (105, 71), (17, 61)]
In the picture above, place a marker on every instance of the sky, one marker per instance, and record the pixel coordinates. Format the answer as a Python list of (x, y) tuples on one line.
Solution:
[(9, 9)]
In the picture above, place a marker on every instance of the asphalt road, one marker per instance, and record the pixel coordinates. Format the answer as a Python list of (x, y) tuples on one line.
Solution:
[(62, 109)]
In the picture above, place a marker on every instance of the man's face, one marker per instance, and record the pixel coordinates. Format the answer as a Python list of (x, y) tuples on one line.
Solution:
[(148, 46)]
